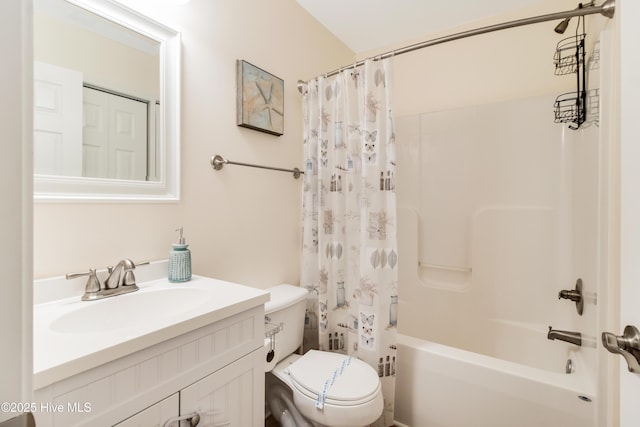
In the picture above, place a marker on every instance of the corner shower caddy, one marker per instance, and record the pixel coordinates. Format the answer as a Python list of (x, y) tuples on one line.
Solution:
[(569, 58)]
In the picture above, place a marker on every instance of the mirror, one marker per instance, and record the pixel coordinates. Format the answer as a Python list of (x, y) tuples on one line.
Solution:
[(106, 103)]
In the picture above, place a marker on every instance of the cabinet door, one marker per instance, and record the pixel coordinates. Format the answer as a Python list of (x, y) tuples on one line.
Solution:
[(156, 415), (232, 396)]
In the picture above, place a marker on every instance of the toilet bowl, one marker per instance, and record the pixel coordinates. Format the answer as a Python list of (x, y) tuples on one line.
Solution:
[(318, 388)]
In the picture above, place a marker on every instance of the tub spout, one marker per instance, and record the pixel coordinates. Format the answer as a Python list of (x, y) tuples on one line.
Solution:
[(566, 336)]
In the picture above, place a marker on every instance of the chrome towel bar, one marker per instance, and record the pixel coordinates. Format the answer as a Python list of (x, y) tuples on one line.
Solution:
[(218, 162)]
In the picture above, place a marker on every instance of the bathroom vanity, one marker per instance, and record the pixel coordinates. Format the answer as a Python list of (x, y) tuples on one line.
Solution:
[(140, 359)]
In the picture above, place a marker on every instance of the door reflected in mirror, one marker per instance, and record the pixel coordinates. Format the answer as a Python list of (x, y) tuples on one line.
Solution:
[(95, 94), (105, 102)]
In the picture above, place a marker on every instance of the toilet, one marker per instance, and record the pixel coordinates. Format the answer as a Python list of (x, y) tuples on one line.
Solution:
[(318, 388)]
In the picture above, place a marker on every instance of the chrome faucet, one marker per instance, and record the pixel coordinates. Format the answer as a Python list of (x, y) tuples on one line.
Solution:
[(120, 281), (566, 336)]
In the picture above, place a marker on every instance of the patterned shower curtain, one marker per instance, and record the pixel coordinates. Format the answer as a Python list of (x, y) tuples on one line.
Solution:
[(350, 256)]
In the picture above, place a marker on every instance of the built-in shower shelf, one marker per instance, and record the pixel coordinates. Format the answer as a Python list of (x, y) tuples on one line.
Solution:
[(423, 264)]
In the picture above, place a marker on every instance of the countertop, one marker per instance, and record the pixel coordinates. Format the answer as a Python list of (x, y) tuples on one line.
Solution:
[(59, 355)]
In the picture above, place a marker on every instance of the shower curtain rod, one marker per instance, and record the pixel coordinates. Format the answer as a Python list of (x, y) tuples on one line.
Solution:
[(606, 9)]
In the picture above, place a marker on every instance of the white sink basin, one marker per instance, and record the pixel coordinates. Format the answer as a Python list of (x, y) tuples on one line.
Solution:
[(71, 336), (128, 310)]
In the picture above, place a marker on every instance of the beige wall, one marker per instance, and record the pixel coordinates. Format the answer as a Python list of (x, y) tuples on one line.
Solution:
[(493, 67), (242, 224)]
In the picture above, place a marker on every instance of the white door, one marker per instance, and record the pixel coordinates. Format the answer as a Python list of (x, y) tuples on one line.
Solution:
[(95, 133), (114, 136), (628, 11), (57, 137), (127, 138), (153, 156)]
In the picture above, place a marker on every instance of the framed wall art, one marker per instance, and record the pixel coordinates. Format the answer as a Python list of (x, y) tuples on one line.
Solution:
[(260, 99)]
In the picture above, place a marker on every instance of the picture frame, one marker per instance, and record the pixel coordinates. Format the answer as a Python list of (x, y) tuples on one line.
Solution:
[(260, 99)]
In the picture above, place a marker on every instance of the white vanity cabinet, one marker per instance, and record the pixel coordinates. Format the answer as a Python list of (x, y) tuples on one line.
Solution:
[(230, 396), (216, 369), (156, 415)]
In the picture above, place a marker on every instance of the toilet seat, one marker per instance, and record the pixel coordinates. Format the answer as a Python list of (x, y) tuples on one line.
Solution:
[(346, 381), (354, 401)]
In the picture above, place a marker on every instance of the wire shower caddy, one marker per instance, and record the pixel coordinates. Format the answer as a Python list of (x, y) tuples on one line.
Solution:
[(569, 58)]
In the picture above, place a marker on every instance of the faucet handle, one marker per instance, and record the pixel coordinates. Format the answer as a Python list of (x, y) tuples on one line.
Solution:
[(93, 285), (129, 277), (574, 295)]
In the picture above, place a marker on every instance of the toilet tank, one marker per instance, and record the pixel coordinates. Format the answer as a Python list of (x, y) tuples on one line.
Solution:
[(287, 308)]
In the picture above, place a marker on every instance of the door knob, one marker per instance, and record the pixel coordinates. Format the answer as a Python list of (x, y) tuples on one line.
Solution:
[(627, 345)]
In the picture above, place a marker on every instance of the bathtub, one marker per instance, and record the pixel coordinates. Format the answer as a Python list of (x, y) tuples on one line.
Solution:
[(442, 386)]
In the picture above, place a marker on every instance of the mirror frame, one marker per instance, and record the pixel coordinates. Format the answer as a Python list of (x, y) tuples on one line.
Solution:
[(50, 188)]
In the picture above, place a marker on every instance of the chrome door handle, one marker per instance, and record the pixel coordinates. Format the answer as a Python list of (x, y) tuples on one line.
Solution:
[(627, 345)]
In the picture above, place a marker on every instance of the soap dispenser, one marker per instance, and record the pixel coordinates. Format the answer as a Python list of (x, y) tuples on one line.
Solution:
[(179, 260)]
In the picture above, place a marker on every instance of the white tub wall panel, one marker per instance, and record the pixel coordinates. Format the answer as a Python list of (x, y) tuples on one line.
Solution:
[(522, 164), (451, 317), (522, 250), (585, 236), (564, 205), (460, 319), (407, 129), (515, 263), (441, 319), (449, 161), (482, 181), (582, 151), (542, 188), (478, 156), (455, 317), (527, 344), (425, 311), (437, 314), (550, 167)]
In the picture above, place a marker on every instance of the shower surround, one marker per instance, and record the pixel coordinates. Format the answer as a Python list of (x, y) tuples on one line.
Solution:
[(498, 210)]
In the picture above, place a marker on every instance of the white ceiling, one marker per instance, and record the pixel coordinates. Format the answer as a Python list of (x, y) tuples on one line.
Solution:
[(365, 25)]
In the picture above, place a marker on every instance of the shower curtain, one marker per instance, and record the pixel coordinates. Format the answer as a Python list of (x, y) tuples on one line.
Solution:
[(350, 256)]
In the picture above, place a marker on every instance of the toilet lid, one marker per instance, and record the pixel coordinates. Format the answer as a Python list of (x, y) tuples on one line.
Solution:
[(355, 381)]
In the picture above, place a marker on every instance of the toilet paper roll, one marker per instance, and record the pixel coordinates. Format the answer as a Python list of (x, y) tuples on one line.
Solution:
[(270, 359)]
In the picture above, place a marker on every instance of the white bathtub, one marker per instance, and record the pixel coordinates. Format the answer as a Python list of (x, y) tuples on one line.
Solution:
[(441, 386)]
